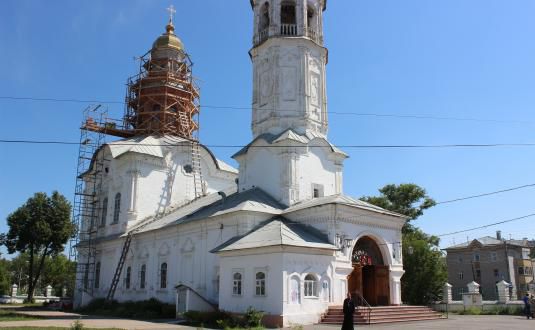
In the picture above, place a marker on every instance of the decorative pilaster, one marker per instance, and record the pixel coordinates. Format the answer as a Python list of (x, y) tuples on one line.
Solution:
[(132, 203)]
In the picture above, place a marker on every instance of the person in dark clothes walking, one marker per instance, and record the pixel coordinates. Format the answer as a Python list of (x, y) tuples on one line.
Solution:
[(349, 310), (527, 306)]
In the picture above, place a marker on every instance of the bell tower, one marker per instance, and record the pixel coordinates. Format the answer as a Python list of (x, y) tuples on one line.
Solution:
[(290, 157), (289, 67)]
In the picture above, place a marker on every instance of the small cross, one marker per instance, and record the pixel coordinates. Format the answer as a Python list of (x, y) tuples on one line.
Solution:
[(171, 9)]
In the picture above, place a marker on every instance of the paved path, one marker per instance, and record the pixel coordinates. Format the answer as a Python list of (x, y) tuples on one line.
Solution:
[(94, 323), (63, 319), (456, 322)]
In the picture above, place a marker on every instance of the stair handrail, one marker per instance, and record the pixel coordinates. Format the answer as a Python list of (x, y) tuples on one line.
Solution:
[(364, 304)]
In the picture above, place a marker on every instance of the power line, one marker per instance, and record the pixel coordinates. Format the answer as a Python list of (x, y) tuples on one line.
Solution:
[(487, 225), (347, 113), (486, 194), (348, 146)]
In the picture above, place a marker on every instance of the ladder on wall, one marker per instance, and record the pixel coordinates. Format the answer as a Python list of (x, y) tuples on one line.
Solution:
[(198, 192)]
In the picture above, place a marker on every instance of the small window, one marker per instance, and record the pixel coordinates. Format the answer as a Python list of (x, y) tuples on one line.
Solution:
[(128, 277), (476, 257), (163, 276), (260, 284), (317, 190), (496, 273), (104, 212), (461, 275), (236, 284), (521, 270), (142, 277), (460, 259), (493, 256), (478, 273), (188, 168), (97, 275), (311, 286), (117, 208)]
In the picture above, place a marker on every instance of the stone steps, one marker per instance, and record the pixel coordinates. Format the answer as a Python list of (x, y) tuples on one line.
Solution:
[(382, 314)]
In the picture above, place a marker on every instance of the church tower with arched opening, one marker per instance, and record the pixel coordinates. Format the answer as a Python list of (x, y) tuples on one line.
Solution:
[(290, 156)]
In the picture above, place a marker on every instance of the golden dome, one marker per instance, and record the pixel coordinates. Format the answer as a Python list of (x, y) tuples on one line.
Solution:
[(168, 39)]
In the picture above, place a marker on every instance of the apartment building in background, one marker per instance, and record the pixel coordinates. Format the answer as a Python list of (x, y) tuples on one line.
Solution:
[(488, 260)]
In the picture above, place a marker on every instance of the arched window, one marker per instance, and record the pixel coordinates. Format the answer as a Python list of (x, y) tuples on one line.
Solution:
[(128, 277), (117, 208), (236, 284), (104, 213), (311, 286), (142, 276), (288, 19), (310, 17), (260, 284), (264, 20), (86, 277), (163, 276), (97, 275)]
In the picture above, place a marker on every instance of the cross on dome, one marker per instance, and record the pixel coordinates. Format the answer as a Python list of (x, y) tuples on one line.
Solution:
[(171, 9)]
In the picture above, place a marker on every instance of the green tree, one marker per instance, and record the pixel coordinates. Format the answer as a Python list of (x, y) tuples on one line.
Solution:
[(407, 199), (425, 271), (19, 267), (40, 227), (5, 276), (60, 273)]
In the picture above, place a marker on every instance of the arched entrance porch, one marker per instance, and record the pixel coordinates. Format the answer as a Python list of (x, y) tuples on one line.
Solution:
[(370, 275)]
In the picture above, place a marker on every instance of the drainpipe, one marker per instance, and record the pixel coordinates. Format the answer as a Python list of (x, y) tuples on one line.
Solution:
[(507, 263)]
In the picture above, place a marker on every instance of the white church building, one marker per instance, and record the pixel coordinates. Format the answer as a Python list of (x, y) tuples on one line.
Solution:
[(277, 233)]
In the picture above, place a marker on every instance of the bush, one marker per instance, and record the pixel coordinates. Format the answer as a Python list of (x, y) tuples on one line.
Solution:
[(253, 318), (77, 325), (217, 319), (144, 309)]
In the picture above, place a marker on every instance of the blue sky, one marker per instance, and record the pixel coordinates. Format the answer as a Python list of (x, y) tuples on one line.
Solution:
[(455, 58)]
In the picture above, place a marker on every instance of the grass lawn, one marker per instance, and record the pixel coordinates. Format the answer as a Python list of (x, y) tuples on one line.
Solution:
[(7, 315)]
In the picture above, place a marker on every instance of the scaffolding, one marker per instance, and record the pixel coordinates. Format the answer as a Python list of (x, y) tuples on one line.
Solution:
[(162, 99), (87, 207)]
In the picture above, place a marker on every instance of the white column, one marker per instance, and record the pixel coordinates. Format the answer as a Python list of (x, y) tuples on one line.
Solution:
[(14, 290), (446, 293), (503, 291), (395, 285)]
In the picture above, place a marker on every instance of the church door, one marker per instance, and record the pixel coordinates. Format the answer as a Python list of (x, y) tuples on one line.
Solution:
[(370, 276)]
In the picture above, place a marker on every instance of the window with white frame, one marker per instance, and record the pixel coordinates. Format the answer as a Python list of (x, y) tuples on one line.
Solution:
[(476, 257), (127, 277), (142, 275), (163, 275), (493, 256), (311, 286), (461, 275), (117, 208), (236, 284), (104, 213), (260, 283), (97, 275), (525, 253)]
